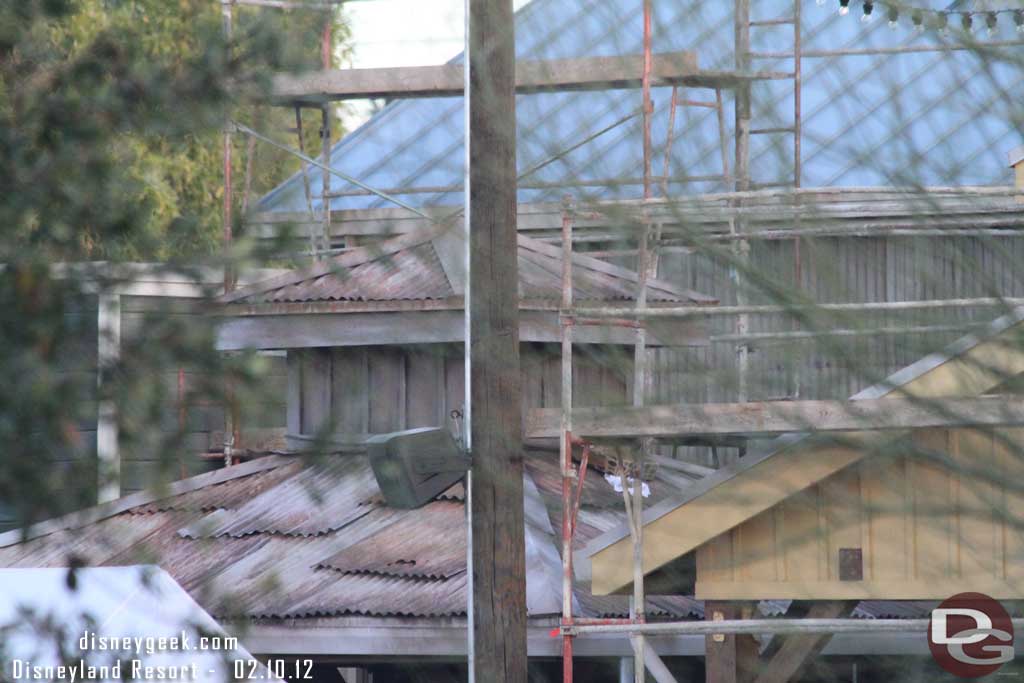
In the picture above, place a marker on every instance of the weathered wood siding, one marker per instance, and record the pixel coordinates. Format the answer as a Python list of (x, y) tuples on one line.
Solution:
[(139, 462), (942, 517), (374, 390), (140, 466), (834, 270)]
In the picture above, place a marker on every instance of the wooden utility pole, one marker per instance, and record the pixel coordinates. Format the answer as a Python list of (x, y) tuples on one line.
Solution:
[(499, 570)]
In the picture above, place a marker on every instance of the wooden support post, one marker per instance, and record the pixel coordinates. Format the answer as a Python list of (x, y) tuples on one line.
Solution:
[(720, 658), (499, 571), (108, 353)]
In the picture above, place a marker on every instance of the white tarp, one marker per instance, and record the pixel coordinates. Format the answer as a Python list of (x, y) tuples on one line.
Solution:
[(110, 624)]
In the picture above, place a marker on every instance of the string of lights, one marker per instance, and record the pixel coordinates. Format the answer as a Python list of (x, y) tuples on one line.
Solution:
[(922, 19)]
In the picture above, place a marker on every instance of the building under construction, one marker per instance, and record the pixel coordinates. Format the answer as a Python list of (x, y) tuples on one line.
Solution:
[(768, 319)]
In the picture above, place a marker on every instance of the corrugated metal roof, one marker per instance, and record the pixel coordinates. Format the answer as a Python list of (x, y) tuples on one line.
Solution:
[(414, 272), (270, 551), (411, 274), (404, 550), (317, 499), (314, 539)]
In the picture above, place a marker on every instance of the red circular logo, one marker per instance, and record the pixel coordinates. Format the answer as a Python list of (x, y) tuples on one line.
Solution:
[(970, 635)]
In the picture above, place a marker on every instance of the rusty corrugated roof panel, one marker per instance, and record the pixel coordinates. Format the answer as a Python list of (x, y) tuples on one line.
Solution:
[(409, 274), (411, 270), (226, 495), (275, 553), (409, 546), (318, 498), (894, 609), (656, 606)]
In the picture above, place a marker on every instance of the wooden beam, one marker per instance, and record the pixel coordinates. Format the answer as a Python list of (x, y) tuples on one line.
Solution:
[(446, 80), (498, 534), (720, 656), (797, 651), (291, 330), (780, 417)]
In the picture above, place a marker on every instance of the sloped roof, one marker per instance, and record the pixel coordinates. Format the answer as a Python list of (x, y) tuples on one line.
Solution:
[(953, 371), (929, 118), (289, 537), (409, 268)]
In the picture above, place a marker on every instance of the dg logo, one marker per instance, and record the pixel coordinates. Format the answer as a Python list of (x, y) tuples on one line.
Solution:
[(971, 635)]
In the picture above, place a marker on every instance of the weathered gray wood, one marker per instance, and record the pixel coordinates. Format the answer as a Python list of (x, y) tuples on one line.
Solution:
[(294, 420), (446, 80), (424, 380), (720, 657), (387, 390), (498, 547), (421, 327), (775, 417), (454, 381), (316, 390), (351, 390)]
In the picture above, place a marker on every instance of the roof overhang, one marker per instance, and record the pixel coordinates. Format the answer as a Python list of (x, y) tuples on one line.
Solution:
[(320, 324)]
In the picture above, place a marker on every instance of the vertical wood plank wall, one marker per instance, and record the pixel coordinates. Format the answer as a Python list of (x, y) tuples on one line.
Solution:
[(944, 514), (359, 390)]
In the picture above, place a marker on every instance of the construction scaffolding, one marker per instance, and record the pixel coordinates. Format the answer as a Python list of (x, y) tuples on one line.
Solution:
[(735, 217)]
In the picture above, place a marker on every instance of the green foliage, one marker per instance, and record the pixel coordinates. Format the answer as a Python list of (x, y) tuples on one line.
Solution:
[(111, 120), (147, 77)]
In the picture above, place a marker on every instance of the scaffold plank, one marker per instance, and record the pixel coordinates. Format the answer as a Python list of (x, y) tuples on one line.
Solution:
[(778, 417)]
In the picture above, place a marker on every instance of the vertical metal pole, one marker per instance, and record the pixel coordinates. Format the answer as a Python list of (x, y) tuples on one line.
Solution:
[(722, 136), (797, 153), (305, 182), (325, 201), (626, 670), (325, 137), (669, 140), (566, 441), (797, 95), (232, 435), (640, 349), (742, 170), (467, 357), (648, 108), (743, 105), (229, 278)]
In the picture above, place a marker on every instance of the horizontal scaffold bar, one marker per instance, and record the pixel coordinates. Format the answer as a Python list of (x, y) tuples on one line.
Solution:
[(773, 626)]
